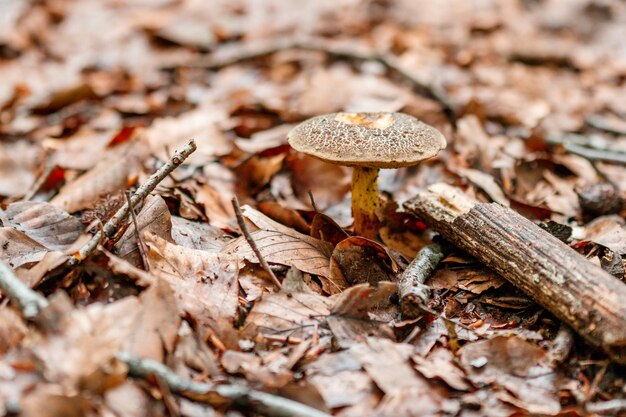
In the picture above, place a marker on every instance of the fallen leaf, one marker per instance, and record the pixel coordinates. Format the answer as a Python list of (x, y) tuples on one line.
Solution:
[(109, 176), (281, 245), (44, 223), (204, 283), (518, 366)]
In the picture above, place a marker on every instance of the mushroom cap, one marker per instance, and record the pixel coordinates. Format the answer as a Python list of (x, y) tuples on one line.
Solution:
[(375, 140)]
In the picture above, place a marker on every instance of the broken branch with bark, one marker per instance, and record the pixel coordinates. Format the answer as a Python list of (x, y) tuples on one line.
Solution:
[(581, 294), (413, 292)]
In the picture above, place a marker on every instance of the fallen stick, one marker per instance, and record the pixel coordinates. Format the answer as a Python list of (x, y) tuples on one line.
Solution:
[(244, 229), (581, 294), (260, 402), (414, 294), (31, 303), (113, 224)]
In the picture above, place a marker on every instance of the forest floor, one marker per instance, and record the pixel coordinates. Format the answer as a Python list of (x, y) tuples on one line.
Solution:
[(169, 311)]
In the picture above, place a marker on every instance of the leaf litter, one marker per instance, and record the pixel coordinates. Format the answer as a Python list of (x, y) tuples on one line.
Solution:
[(98, 94)]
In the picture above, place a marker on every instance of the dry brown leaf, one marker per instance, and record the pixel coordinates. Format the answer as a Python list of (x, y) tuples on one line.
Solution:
[(155, 218), (109, 176), (328, 183), (195, 235), (358, 260), (128, 400), (44, 402), (80, 352), (485, 182), (341, 381), (518, 366), (17, 249), (201, 124), (359, 300), (356, 313), (44, 223), (284, 314), (285, 216), (609, 231), (17, 174), (282, 245), (440, 364), (204, 283)]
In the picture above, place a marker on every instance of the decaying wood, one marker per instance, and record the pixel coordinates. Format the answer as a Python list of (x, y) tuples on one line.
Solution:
[(414, 294), (581, 294)]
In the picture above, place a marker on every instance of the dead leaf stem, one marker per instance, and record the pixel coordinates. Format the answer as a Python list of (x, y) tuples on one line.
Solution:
[(251, 242), (140, 243)]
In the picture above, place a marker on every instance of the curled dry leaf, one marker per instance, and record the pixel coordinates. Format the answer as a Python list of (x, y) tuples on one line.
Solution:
[(359, 260), (325, 228), (204, 283), (440, 363), (282, 245)]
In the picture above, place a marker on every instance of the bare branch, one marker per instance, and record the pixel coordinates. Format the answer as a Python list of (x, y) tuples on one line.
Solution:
[(111, 226), (260, 402), (411, 288), (30, 301)]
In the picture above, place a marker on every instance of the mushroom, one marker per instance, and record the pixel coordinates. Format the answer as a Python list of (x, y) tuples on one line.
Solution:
[(367, 142)]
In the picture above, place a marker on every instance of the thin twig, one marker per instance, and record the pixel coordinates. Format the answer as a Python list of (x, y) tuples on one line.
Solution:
[(390, 62), (592, 147), (111, 226), (258, 401), (255, 248), (601, 123), (411, 288), (313, 202), (140, 244), (29, 301)]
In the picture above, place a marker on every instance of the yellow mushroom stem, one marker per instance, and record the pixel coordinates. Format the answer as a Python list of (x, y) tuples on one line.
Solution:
[(365, 201)]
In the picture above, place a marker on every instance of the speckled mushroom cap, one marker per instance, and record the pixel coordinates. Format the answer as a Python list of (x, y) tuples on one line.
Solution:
[(376, 140)]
